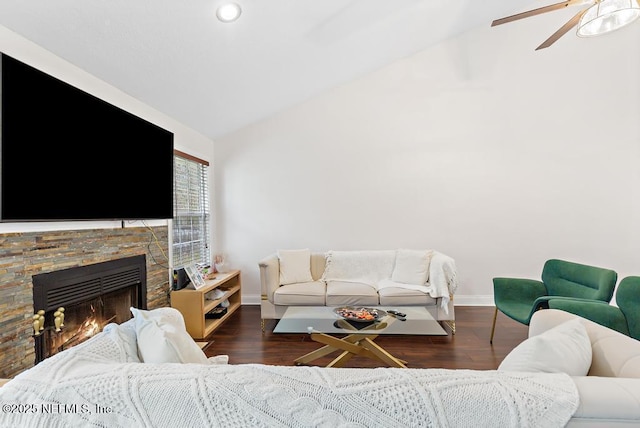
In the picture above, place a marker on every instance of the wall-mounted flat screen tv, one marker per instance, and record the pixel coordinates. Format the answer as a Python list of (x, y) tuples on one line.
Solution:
[(67, 155)]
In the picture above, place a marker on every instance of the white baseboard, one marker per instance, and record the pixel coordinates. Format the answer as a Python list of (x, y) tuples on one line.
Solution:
[(253, 299), (473, 300), (459, 300)]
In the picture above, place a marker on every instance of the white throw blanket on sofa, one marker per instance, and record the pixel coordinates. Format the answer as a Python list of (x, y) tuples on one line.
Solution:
[(95, 385), (367, 267), (443, 278)]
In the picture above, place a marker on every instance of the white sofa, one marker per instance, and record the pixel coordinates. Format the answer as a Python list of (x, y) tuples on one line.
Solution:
[(610, 393), (106, 381), (399, 277)]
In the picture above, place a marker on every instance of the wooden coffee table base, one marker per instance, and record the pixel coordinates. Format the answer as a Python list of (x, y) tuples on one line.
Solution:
[(351, 345)]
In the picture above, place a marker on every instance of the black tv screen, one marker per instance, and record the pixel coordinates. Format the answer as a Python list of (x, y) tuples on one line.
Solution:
[(67, 155)]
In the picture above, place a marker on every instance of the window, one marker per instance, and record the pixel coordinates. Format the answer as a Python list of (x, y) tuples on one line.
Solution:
[(191, 216)]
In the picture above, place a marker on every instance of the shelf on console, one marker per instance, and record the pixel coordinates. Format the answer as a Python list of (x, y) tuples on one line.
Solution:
[(193, 304)]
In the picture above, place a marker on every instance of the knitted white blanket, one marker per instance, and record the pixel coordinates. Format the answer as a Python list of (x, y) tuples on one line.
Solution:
[(92, 385)]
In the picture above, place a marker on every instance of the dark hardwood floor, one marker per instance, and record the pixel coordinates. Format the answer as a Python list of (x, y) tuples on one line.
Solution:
[(242, 339)]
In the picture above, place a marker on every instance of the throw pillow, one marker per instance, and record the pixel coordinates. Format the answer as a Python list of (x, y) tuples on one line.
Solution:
[(295, 266), (565, 348), (126, 334), (163, 338), (412, 266)]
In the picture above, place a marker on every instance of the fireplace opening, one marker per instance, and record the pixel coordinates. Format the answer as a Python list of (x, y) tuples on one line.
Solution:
[(74, 304), (85, 319)]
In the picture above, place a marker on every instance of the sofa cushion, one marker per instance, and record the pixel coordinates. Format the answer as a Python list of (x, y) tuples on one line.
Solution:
[(303, 293), (295, 266), (163, 338), (607, 402), (565, 348), (341, 293), (412, 266), (392, 296)]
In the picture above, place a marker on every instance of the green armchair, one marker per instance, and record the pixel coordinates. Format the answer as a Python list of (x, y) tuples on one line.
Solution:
[(519, 298), (624, 318)]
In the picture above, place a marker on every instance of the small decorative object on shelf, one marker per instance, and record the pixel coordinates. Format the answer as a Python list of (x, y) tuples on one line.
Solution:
[(219, 262), (207, 271), (214, 294), (194, 275), (216, 313)]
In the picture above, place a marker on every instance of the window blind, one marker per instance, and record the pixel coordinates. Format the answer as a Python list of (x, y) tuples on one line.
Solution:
[(191, 214)]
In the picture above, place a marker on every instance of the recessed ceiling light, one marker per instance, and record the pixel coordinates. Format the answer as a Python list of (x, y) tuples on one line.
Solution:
[(228, 12)]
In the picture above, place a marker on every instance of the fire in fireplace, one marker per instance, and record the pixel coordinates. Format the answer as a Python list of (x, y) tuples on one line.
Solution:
[(76, 303)]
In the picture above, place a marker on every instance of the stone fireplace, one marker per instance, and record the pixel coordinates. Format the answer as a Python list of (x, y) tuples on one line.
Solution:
[(85, 299), (24, 255)]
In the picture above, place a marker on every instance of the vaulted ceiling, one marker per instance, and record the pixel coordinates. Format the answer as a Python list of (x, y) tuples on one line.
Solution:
[(215, 77)]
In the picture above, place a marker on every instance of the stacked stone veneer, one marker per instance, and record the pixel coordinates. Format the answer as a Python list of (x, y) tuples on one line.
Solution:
[(23, 255)]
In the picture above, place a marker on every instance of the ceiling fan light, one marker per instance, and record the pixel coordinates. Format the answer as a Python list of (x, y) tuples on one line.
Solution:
[(606, 16)]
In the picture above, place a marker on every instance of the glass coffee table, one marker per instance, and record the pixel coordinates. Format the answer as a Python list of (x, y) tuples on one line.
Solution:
[(324, 325)]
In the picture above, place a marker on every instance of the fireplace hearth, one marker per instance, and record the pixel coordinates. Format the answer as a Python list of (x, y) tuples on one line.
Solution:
[(89, 297)]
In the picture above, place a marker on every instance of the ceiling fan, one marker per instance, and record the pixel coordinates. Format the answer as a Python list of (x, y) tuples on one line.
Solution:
[(601, 17)]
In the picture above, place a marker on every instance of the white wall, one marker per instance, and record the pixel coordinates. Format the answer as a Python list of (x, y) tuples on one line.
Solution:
[(481, 148), (185, 139)]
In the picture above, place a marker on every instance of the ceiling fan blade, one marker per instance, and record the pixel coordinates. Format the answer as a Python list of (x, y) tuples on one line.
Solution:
[(563, 30), (534, 12)]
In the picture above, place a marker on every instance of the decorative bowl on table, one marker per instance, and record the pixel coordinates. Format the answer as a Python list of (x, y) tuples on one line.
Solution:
[(359, 314)]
